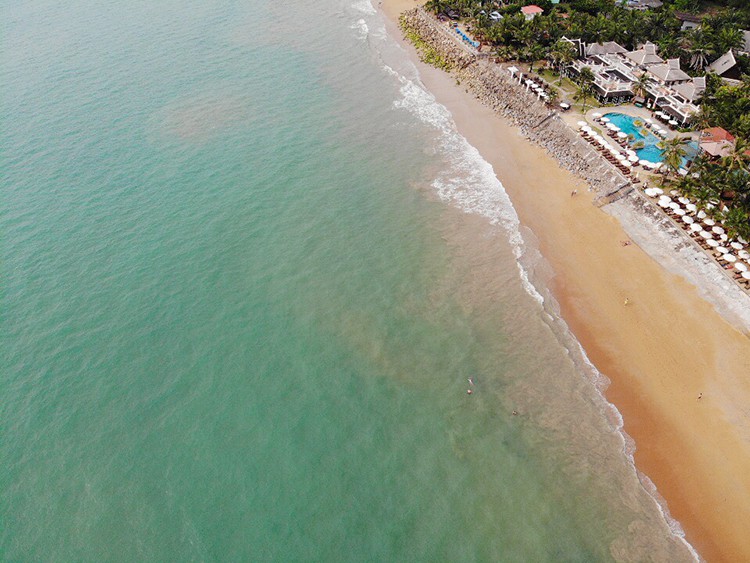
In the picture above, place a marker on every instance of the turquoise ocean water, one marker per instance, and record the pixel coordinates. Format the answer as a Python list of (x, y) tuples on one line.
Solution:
[(248, 267)]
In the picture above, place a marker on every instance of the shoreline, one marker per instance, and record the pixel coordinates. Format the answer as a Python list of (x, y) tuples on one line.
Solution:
[(661, 352)]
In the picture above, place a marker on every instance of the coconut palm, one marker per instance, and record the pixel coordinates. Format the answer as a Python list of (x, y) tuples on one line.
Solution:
[(739, 158), (586, 86), (641, 84), (673, 151), (562, 54), (729, 38)]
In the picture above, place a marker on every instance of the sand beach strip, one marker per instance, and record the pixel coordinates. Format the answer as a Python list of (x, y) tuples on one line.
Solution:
[(679, 371)]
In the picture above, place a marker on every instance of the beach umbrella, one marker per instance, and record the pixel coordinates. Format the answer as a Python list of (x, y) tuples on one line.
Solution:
[(622, 135), (564, 105), (682, 172), (673, 122), (649, 192), (620, 157), (742, 240), (627, 164), (701, 214), (746, 275), (710, 206), (662, 203), (643, 162), (648, 121), (691, 207), (696, 228), (683, 200), (706, 235), (724, 237), (674, 205), (605, 119), (665, 198), (708, 221), (679, 212), (730, 258), (596, 115), (736, 245), (582, 124), (741, 266), (712, 243), (687, 219), (744, 254), (659, 191), (633, 158), (722, 249), (718, 230), (674, 193)]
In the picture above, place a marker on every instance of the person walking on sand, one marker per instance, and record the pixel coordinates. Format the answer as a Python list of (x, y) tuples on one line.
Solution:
[(627, 302), (574, 192)]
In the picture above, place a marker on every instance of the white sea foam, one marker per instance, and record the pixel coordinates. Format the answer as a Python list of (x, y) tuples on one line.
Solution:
[(469, 182), (364, 6), (361, 26)]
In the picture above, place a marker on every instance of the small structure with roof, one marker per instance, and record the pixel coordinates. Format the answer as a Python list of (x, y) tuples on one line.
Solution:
[(716, 142), (726, 66), (688, 21), (643, 4), (531, 11), (745, 49)]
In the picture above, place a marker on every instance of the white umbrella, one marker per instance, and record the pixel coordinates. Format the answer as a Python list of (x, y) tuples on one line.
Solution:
[(701, 214), (682, 172), (648, 121), (710, 206), (712, 243), (683, 200), (633, 158), (622, 135), (709, 222), (706, 235), (649, 192), (691, 207), (674, 193), (718, 230), (722, 249), (679, 212), (730, 258), (620, 157), (746, 275), (582, 124), (564, 105), (659, 191), (665, 198), (605, 119), (643, 162), (744, 254), (696, 228), (674, 205), (662, 203), (736, 245), (742, 240), (673, 122), (596, 115), (688, 220), (741, 266), (724, 237), (627, 164)]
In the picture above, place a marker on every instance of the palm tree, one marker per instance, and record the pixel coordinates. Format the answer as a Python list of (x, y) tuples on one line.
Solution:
[(673, 152), (562, 54), (738, 159), (729, 38), (699, 48), (640, 86), (586, 86)]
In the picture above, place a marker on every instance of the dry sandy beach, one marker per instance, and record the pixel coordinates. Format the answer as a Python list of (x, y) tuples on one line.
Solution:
[(680, 373)]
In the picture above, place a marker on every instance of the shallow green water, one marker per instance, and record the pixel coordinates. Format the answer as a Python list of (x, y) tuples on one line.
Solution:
[(239, 315)]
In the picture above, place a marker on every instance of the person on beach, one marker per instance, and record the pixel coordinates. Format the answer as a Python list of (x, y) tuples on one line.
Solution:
[(627, 302), (574, 192)]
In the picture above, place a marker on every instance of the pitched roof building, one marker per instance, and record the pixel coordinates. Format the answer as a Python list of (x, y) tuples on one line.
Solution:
[(645, 56), (726, 66), (608, 48), (692, 90), (668, 73), (531, 11)]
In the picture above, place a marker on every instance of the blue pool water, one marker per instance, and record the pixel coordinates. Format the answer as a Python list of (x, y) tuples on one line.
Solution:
[(650, 151)]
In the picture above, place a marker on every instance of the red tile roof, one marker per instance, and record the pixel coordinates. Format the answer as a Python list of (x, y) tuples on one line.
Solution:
[(715, 134), (532, 9)]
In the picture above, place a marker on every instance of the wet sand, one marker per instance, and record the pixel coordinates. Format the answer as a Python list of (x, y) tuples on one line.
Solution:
[(680, 373)]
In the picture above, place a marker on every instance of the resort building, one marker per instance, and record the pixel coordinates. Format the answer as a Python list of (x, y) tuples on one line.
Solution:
[(716, 142), (643, 4), (689, 21), (644, 56), (726, 66), (531, 11), (613, 78)]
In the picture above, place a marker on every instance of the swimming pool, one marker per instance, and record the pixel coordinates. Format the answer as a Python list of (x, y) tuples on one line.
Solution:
[(650, 151)]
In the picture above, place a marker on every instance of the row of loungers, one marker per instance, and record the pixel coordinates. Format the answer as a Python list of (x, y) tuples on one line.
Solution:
[(732, 254)]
